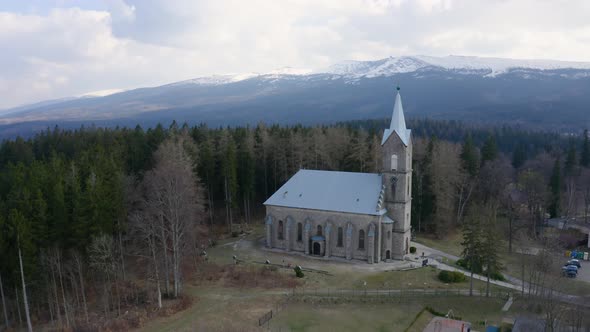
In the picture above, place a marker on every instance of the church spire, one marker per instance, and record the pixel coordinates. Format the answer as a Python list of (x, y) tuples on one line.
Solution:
[(398, 122)]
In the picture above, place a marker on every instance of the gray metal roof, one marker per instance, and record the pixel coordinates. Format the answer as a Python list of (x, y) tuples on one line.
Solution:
[(387, 220), (398, 123), (331, 191)]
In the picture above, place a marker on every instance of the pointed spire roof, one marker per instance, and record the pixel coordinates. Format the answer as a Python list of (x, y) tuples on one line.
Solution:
[(398, 122)]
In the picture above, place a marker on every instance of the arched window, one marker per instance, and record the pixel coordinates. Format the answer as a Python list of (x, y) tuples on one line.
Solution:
[(388, 235), (319, 230), (280, 230), (394, 162), (340, 237), (361, 239), (299, 232)]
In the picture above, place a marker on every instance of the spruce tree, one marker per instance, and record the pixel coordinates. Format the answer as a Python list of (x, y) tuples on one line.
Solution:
[(519, 156), (489, 151), (472, 243), (585, 155), (571, 160), (555, 188), (469, 157)]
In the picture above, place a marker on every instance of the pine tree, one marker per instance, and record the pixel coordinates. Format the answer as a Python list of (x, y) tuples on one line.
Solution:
[(21, 231), (555, 184), (469, 157), (489, 151), (206, 170), (489, 245), (570, 160), (229, 174), (472, 243), (585, 155), (519, 156)]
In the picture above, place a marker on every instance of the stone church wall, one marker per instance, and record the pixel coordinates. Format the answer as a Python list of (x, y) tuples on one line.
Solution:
[(314, 218)]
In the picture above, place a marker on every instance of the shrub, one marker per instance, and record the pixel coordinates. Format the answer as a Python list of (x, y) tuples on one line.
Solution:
[(298, 272), (451, 276), (496, 275), (438, 313), (412, 250)]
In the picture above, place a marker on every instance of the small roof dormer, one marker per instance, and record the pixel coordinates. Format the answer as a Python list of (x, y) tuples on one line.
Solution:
[(398, 122)]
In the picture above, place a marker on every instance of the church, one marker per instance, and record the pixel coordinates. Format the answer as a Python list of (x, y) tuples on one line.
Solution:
[(348, 215)]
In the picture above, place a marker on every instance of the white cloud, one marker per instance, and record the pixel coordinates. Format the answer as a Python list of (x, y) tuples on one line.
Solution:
[(124, 44)]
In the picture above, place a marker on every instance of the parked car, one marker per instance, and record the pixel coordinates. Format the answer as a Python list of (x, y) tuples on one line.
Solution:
[(574, 262), (570, 271)]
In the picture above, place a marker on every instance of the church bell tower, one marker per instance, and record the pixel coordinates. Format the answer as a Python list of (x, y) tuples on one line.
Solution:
[(396, 147)]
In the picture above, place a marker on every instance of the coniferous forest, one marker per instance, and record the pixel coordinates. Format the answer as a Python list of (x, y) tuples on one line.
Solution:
[(80, 208)]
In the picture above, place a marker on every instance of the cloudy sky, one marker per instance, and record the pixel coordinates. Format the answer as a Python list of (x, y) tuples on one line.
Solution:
[(54, 49)]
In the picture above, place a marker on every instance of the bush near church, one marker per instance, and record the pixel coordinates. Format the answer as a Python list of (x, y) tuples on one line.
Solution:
[(298, 272), (412, 250), (451, 277)]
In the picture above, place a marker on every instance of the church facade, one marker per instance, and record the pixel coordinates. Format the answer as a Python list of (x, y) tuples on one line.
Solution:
[(361, 216)]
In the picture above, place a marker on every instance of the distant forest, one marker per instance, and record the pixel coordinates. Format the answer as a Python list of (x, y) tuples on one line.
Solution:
[(76, 204)]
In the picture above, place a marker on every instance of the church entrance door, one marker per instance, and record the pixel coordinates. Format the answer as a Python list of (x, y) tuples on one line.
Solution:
[(388, 254), (317, 248)]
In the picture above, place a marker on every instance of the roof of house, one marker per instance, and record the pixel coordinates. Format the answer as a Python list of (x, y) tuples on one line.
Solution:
[(522, 324), (331, 191), (398, 123)]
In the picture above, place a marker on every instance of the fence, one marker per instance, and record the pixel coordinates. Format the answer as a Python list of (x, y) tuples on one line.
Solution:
[(395, 293), (276, 309), (373, 294)]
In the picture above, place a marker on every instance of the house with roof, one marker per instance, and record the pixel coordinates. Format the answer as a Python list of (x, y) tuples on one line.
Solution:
[(349, 215)]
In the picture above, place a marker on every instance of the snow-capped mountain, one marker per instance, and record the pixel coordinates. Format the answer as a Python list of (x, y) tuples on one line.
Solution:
[(537, 93), (351, 70), (460, 64)]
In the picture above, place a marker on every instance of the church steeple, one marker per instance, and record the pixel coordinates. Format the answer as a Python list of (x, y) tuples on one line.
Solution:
[(398, 122)]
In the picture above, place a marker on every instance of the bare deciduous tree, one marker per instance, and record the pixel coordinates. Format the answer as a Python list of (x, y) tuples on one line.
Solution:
[(175, 195)]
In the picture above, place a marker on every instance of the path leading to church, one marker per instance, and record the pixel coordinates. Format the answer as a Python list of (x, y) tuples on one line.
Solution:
[(514, 283)]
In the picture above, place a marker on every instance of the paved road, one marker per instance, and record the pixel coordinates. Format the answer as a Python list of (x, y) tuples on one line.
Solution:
[(584, 272), (514, 283)]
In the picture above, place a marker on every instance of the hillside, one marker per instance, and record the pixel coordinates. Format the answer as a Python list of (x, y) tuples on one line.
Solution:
[(538, 94)]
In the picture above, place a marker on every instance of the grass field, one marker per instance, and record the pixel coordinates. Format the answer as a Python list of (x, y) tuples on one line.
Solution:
[(451, 244), (226, 298), (219, 309), (382, 317)]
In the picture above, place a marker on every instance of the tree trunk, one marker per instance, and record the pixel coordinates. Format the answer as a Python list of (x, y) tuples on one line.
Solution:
[(4, 304), (210, 203), (510, 232), (155, 261), (55, 297), (488, 282), (83, 290), (50, 302), (471, 283), (63, 292), (165, 250), (25, 300), (20, 318), (226, 203), (121, 254)]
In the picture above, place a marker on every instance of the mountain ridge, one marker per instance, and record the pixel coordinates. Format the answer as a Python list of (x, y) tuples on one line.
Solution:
[(452, 87)]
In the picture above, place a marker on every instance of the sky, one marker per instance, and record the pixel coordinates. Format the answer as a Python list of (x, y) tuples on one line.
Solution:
[(53, 49)]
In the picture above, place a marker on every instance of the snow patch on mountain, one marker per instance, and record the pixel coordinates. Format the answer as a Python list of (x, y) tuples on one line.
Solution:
[(463, 64), (353, 70), (216, 79)]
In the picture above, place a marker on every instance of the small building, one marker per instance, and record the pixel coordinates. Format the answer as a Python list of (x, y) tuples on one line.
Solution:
[(364, 216)]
